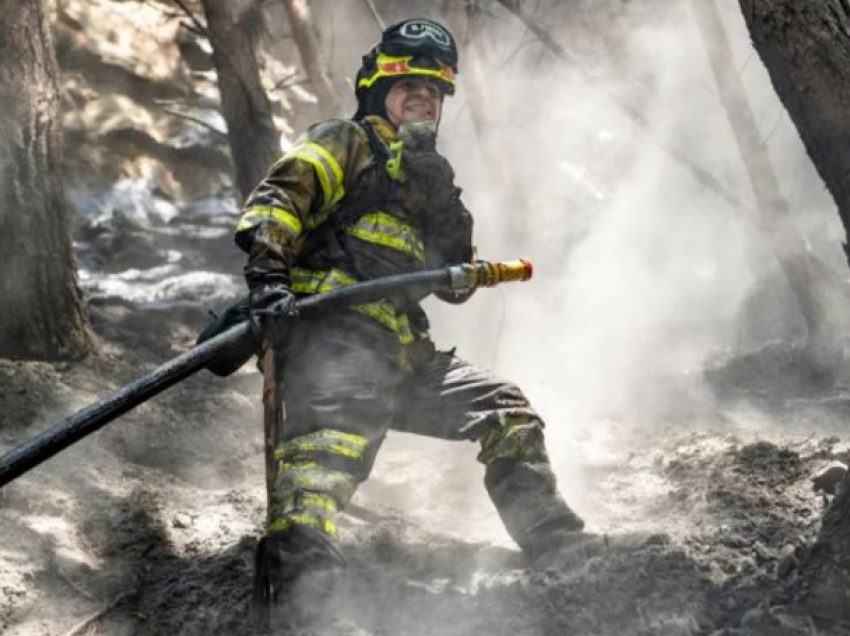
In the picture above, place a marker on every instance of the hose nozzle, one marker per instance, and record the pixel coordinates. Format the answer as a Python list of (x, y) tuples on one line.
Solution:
[(485, 274)]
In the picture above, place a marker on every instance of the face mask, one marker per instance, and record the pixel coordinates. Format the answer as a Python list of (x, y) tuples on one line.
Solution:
[(419, 136)]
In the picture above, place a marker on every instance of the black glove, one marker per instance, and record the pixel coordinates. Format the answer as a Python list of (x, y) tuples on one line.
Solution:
[(271, 308), (230, 360), (455, 297)]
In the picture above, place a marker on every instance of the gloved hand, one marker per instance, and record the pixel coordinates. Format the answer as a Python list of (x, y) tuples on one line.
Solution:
[(455, 297), (271, 308)]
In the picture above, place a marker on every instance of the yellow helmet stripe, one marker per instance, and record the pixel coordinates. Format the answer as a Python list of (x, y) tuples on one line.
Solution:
[(390, 66)]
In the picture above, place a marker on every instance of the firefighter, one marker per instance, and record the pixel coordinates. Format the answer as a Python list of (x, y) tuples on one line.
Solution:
[(354, 200)]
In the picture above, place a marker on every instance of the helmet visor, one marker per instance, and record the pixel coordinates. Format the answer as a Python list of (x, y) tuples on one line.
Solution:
[(398, 66), (420, 36)]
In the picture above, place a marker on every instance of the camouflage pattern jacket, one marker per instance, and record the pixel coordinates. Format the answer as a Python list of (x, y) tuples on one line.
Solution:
[(351, 201)]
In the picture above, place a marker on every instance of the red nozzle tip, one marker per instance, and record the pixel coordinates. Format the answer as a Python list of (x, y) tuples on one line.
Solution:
[(529, 268)]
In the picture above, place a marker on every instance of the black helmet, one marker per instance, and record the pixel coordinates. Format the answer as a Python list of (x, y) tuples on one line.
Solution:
[(416, 47), (420, 37)]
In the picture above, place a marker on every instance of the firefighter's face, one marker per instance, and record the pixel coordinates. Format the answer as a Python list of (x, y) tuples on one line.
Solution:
[(413, 100)]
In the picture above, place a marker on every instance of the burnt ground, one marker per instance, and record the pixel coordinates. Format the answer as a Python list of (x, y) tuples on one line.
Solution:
[(149, 526), (156, 519)]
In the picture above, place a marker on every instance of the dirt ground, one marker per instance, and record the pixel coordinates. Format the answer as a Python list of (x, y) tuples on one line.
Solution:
[(149, 526)]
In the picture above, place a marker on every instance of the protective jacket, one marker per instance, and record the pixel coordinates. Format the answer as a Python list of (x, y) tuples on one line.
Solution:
[(348, 202)]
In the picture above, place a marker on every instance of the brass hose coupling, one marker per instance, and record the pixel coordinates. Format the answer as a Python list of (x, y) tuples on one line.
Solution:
[(469, 276)]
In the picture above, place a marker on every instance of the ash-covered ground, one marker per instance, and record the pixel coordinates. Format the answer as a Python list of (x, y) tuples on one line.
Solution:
[(149, 526)]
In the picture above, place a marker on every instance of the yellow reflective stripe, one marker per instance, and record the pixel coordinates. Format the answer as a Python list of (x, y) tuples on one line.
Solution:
[(329, 441), (307, 447), (327, 169), (300, 500), (386, 316), (520, 452), (349, 438), (312, 476), (511, 441), (305, 281), (394, 162), (387, 230), (257, 214), (318, 500), (315, 220), (325, 525), (393, 66)]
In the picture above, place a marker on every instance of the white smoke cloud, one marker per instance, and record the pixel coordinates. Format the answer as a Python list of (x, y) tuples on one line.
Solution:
[(643, 275)]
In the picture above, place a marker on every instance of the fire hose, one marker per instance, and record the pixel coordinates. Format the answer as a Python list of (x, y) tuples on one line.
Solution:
[(70, 430)]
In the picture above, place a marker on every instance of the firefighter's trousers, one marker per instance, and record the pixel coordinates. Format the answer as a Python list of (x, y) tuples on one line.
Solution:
[(342, 394)]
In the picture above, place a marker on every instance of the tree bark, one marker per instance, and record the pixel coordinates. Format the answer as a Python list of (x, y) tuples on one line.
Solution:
[(41, 308), (254, 140), (301, 21), (827, 568), (805, 47)]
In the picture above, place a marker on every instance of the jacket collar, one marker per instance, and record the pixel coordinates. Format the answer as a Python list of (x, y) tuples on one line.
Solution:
[(384, 129)]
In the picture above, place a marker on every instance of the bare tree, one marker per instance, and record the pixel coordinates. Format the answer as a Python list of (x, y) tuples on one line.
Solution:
[(253, 138), (301, 21), (466, 20), (806, 48), (773, 214), (41, 308)]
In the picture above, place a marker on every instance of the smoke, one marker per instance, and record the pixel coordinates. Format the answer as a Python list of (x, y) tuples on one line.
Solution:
[(644, 276)]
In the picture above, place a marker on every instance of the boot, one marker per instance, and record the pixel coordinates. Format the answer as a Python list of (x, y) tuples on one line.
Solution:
[(297, 574), (566, 549)]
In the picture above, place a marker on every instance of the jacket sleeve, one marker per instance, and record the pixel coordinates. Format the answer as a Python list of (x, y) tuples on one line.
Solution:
[(298, 192), (452, 238), (453, 233)]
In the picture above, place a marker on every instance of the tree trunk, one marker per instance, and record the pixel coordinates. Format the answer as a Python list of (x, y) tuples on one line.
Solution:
[(41, 308), (773, 213), (466, 21), (308, 46), (254, 140), (827, 568), (806, 48)]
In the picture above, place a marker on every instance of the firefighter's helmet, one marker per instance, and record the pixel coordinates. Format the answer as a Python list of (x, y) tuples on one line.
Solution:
[(418, 48)]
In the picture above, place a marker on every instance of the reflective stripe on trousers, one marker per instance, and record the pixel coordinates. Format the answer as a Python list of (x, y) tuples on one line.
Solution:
[(317, 475), (305, 281), (342, 397)]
